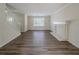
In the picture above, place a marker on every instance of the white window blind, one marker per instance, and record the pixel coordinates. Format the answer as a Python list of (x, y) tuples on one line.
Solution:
[(38, 21)]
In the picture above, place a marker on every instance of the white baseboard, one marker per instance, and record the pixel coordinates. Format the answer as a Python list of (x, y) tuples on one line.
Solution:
[(25, 31), (60, 39), (73, 43), (9, 40), (57, 37)]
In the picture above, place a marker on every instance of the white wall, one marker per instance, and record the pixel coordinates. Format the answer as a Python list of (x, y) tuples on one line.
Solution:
[(9, 25), (2, 19), (26, 23), (46, 27), (59, 31), (69, 14), (74, 33), (21, 19)]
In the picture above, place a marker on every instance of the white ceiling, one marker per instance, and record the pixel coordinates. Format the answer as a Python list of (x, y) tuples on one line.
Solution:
[(39, 9)]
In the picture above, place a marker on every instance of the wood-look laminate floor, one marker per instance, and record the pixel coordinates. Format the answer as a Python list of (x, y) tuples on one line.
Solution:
[(38, 43)]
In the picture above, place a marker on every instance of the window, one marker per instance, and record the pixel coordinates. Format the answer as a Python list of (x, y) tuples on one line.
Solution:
[(38, 21), (10, 19)]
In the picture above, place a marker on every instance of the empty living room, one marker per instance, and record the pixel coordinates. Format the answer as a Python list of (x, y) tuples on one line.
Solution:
[(39, 29)]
